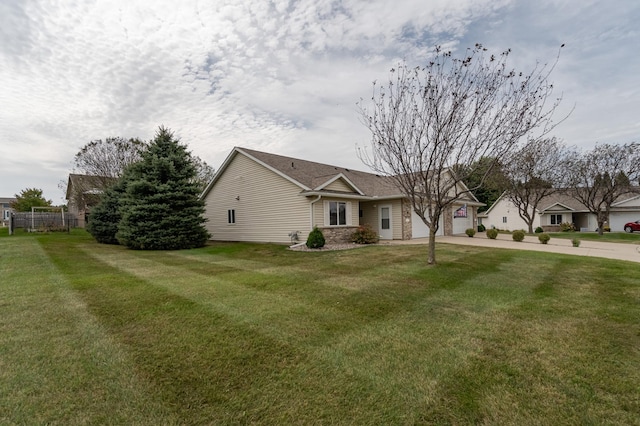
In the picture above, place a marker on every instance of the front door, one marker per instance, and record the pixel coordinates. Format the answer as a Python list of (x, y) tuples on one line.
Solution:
[(384, 222)]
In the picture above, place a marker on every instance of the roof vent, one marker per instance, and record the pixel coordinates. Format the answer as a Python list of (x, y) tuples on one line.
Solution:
[(293, 166)]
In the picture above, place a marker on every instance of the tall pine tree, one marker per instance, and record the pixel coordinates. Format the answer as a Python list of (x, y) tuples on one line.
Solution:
[(105, 217), (160, 207)]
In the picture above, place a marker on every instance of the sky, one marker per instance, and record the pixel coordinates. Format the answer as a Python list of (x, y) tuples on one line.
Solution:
[(281, 76)]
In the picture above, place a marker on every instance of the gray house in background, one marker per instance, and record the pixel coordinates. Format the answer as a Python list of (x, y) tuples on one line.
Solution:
[(83, 193), (5, 210)]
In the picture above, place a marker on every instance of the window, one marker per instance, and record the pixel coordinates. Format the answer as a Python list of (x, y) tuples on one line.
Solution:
[(337, 213), (504, 219), (385, 218), (556, 219), (231, 216)]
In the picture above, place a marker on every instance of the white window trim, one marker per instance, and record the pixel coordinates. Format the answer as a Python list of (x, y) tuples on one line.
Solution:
[(231, 216), (327, 210)]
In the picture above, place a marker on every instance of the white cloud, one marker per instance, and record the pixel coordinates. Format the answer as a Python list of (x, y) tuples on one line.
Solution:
[(283, 76)]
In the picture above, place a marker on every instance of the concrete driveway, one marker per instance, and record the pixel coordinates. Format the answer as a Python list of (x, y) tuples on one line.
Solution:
[(620, 251)]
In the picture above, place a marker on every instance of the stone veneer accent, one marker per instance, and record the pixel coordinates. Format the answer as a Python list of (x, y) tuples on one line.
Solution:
[(338, 235), (447, 220), (407, 233)]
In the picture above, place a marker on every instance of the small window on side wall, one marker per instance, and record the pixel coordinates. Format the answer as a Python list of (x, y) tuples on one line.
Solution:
[(504, 219), (231, 216)]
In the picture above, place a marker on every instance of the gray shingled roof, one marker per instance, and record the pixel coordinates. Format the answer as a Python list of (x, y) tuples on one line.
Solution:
[(311, 174)]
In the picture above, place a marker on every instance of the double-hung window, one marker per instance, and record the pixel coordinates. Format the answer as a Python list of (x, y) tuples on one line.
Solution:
[(337, 213), (556, 219)]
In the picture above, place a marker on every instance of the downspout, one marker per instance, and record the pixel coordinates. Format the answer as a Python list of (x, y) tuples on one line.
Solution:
[(311, 217), (312, 203)]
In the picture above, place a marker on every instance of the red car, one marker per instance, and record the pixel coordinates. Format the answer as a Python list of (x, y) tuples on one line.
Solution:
[(632, 226)]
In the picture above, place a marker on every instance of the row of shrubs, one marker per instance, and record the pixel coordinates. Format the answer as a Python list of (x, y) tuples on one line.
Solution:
[(518, 235), (363, 235)]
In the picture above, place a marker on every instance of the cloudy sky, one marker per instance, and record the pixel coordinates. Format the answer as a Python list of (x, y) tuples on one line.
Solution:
[(281, 76)]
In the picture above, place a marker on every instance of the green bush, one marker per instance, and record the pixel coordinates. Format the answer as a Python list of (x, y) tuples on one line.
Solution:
[(470, 232), (315, 238), (539, 230), (518, 235), (566, 227), (492, 233), (481, 228), (544, 238), (575, 242), (365, 235)]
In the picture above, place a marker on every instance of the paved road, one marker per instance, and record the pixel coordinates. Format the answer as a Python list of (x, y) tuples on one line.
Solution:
[(621, 251)]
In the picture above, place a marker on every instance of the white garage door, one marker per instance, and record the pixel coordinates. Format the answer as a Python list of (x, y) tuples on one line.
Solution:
[(619, 219), (461, 224), (420, 230)]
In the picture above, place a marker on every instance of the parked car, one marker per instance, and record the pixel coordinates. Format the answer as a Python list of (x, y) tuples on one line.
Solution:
[(632, 226)]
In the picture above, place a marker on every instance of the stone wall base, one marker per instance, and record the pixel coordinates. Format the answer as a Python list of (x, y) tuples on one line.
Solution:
[(338, 235)]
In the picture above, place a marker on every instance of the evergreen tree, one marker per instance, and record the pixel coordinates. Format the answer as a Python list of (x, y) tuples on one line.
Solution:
[(105, 217), (160, 207)]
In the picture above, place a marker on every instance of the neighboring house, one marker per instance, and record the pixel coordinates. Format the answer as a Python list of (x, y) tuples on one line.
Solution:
[(557, 209), (6, 210), (261, 197), (83, 193)]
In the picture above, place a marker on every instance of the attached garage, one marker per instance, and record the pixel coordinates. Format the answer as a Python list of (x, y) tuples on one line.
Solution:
[(618, 219), (624, 212), (420, 230), (462, 220)]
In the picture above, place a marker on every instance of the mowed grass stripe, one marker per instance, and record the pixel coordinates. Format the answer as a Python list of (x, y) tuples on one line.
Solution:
[(487, 336), (52, 347)]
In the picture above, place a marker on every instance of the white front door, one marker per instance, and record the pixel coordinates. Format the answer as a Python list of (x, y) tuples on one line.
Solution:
[(384, 222)]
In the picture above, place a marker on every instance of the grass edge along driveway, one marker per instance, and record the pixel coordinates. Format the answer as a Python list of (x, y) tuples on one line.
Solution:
[(243, 333)]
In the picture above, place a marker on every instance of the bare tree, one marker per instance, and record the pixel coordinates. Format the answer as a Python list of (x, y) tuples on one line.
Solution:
[(108, 158), (204, 172), (536, 171), (600, 177), (431, 124)]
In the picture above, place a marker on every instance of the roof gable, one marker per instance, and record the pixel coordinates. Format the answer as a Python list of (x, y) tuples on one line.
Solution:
[(339, 178)]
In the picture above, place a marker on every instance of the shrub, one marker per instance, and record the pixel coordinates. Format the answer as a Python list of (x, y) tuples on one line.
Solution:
[(481, 228), (518, 235), (492, 233), (575, 242), (470, 232), (365, 235), (539, 230), (566, 227), (606, 229), (544, 238), (315, 238)]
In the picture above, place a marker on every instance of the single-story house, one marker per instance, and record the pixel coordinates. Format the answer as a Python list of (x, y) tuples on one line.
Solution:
[(83, 193), (6, 210), (557, 209), (261, 197)]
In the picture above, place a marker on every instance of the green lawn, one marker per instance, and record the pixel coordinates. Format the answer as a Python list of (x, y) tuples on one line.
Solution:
[(256, 334), (608, 237)]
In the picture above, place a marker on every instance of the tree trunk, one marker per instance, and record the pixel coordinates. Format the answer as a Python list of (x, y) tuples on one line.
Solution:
[(432, 246)]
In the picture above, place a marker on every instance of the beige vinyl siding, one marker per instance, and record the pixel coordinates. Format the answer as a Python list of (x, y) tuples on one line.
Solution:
[(319, 211), (370, 215), (338, 185), (268, 209), (396, 221)]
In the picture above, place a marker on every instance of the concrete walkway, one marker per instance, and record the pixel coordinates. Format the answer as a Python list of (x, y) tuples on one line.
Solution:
[(621, 251)]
